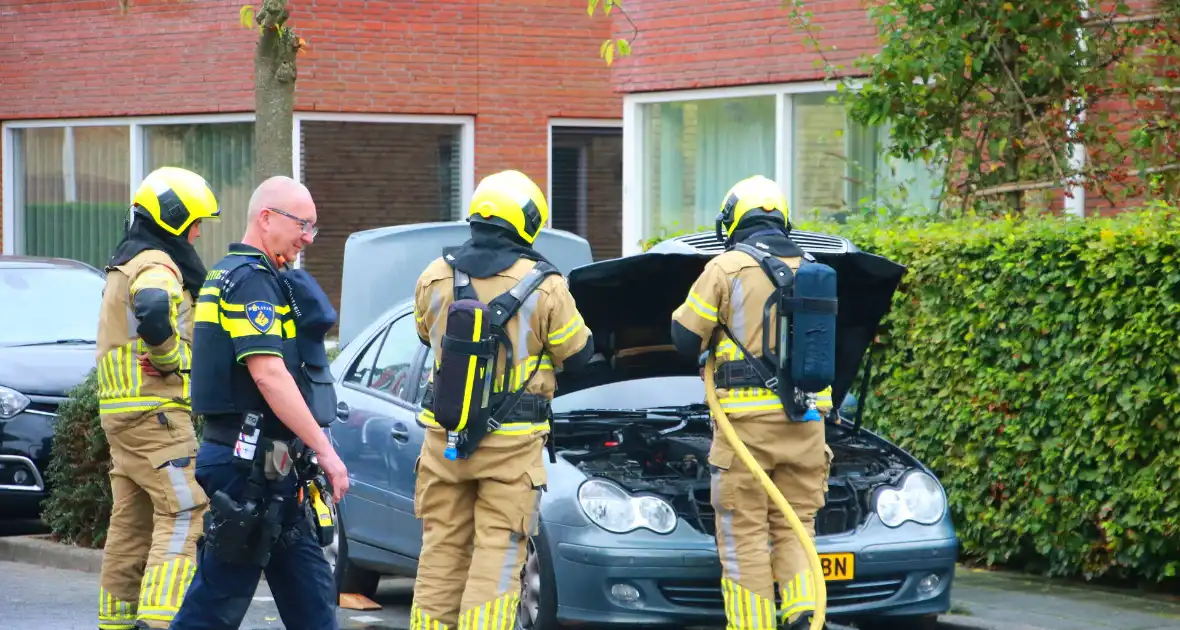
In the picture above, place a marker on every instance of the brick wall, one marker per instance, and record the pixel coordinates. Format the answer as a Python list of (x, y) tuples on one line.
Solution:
[(366, 175), (513, 65), (686, 44)]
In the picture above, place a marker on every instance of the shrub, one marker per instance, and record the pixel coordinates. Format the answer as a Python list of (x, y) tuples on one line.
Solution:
[(1033, 365), (78, 509), (79, 505)]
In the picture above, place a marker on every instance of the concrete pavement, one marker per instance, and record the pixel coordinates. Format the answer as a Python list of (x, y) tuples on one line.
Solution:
[(49, 586)]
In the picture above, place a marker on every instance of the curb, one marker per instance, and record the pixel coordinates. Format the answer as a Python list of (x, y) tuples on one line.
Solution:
[(963, 622), (43, 551)]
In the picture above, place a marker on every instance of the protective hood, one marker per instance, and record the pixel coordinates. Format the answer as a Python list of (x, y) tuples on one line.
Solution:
[(143, 235), (628, 302)]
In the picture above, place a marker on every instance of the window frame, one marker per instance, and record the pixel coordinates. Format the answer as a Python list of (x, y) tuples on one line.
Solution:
[(379, 338), (635, 220), (13, 223)]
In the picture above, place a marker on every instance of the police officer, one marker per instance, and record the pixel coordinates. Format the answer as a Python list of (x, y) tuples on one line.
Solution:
[(144, 336), (479, 481), (251, 347), (732, 291)]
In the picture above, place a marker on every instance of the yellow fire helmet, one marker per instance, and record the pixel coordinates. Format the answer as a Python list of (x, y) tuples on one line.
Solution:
[(175, 198), (753, 193), (511, 200)]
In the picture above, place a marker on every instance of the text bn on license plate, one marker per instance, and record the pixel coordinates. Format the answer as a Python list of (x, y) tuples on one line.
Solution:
[(837, 566)]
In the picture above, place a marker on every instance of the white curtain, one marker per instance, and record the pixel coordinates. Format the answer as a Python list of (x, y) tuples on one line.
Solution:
[(696, 150)]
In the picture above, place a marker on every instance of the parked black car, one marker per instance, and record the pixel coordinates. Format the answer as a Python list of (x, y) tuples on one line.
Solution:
[(48, 326)]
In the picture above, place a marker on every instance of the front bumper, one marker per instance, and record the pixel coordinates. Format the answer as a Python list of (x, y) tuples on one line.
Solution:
[(682, 586), (25, 441)]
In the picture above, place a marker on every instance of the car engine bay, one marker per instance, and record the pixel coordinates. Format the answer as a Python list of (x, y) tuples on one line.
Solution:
[(674, 464)]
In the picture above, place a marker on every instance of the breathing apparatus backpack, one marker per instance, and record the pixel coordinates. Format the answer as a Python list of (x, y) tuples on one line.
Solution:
[(804, 360), (465, 398)]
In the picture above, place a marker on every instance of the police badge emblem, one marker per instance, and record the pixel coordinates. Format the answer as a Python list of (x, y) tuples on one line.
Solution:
[(261, 315)]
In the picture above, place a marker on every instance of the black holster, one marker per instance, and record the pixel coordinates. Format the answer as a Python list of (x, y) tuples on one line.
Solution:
[(243, 533)]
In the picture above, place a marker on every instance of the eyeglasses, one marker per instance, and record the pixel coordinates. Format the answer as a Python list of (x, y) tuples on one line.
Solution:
[(304, 225)]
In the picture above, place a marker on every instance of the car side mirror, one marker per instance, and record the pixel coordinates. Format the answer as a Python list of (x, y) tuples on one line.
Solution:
[(849, 406)]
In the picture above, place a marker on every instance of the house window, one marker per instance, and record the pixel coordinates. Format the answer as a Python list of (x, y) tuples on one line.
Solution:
[(70, 190), (692, 150), (222, 153), (586, 185), (696, 150)]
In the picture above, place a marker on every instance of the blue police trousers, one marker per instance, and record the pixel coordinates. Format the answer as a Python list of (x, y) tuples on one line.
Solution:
[(298, 575)]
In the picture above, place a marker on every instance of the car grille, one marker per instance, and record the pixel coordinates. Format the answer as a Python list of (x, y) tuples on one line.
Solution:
[(44, 407), (707, 593), (841, 513)]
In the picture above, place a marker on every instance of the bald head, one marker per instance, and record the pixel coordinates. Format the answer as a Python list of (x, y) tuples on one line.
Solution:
[(285, 229), (277, 192)]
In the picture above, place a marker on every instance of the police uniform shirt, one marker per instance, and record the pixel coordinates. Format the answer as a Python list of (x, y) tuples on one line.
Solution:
[(241, 312)]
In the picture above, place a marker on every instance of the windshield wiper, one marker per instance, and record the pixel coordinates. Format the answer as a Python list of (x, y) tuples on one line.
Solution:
[(601, 413), (51, 343), (691, 410)]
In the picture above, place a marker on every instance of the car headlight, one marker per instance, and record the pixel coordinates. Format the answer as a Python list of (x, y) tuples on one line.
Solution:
[(919, 499), (615, 510), (12, 402)]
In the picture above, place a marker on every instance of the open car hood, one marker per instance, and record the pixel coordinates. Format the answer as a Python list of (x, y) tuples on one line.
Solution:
[(382, 265), (628, 303)]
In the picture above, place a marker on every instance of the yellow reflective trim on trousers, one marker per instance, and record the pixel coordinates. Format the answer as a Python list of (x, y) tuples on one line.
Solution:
[(797, 596), (163, 589), (750, 399), (422, 621), (563, 334), (746, 610), (114, 614), (497, 614)]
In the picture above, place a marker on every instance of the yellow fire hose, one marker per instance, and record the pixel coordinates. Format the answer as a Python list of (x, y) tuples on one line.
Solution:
[(818, 585)]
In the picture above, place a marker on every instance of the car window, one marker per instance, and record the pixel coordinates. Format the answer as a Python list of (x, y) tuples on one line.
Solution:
[(362, 368), (396, 358), (427, 368), (55, 305)]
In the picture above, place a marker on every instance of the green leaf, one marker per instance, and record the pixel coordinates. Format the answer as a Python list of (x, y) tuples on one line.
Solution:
[(624, 47), (603, 47), (246, 16), (590, 6), (610, 53)]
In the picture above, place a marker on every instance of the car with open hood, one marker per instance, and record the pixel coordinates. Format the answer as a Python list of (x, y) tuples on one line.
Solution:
[(631, 429)]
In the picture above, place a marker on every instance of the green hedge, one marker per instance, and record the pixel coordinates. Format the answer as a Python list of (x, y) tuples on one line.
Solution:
[(79, 504), (1034, 366), (78, 509)]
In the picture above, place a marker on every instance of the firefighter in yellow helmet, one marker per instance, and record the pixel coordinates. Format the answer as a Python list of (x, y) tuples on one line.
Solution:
[(144, 332), (786, 437), (499, 319)]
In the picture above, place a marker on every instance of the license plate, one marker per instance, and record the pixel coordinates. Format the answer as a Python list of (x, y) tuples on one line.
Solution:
[(837, 566)]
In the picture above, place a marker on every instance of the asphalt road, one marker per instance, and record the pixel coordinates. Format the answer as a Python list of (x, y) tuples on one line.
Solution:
[(55, 599)]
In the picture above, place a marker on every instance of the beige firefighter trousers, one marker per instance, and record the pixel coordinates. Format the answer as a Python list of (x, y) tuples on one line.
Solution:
[(477, 515), (796, 458), (156, 518)]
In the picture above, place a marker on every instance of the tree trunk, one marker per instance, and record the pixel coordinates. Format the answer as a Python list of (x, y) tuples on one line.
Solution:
[(274, 93)]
